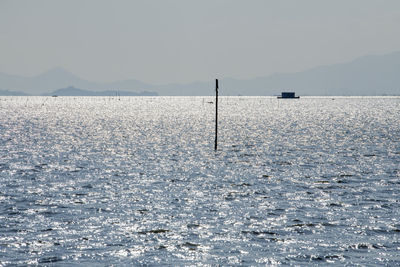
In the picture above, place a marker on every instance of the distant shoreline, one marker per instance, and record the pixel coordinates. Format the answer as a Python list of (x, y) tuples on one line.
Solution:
[(227, 96)]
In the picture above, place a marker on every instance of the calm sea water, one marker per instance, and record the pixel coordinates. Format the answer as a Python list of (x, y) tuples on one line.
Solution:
[(135, 181)]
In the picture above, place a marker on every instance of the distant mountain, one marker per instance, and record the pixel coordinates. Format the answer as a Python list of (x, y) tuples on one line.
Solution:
[(12, 93), (60, 78), (72, 91), (369, 75)]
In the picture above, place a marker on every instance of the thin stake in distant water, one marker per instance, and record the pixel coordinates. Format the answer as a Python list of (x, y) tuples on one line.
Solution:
[(216, 114)]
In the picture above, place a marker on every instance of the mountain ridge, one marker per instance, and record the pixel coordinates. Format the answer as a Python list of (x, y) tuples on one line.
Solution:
[(367, 75), (72, 91)]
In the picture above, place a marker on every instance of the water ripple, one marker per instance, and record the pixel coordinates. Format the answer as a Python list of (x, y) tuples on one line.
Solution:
[(135, 181)]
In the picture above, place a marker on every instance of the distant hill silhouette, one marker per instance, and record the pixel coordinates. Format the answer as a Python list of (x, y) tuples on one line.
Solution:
[(368, 75), (60, 78), (72, 91), (12, 93)]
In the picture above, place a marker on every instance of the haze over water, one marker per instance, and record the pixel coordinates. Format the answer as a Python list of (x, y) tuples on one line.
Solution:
[(135, 181)]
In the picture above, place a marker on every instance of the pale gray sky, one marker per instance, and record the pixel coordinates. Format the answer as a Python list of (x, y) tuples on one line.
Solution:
[(162, 41)]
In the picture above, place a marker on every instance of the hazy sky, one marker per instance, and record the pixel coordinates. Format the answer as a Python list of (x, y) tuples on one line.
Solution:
[(161, 41)]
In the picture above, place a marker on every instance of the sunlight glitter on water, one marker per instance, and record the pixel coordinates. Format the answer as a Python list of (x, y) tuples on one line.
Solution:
[(135, 181)]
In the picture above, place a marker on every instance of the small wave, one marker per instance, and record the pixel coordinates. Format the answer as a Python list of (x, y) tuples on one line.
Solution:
[(50, 259), (155, 231)]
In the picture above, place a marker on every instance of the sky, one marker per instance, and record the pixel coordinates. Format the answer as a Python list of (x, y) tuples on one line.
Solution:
[(179, 41)]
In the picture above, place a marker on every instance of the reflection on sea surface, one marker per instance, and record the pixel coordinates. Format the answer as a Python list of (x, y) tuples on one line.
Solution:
[(135, 181)]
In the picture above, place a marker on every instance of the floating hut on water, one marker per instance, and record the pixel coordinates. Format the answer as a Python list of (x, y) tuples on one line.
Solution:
[(288, 95)]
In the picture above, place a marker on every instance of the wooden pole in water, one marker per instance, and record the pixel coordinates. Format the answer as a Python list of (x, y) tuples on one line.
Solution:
[(216, 114)]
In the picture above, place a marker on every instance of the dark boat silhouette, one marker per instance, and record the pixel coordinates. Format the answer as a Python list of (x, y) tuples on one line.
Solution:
[(288, 95)]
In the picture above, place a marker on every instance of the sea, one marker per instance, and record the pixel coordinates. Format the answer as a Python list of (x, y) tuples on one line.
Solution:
[(135, 181)]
